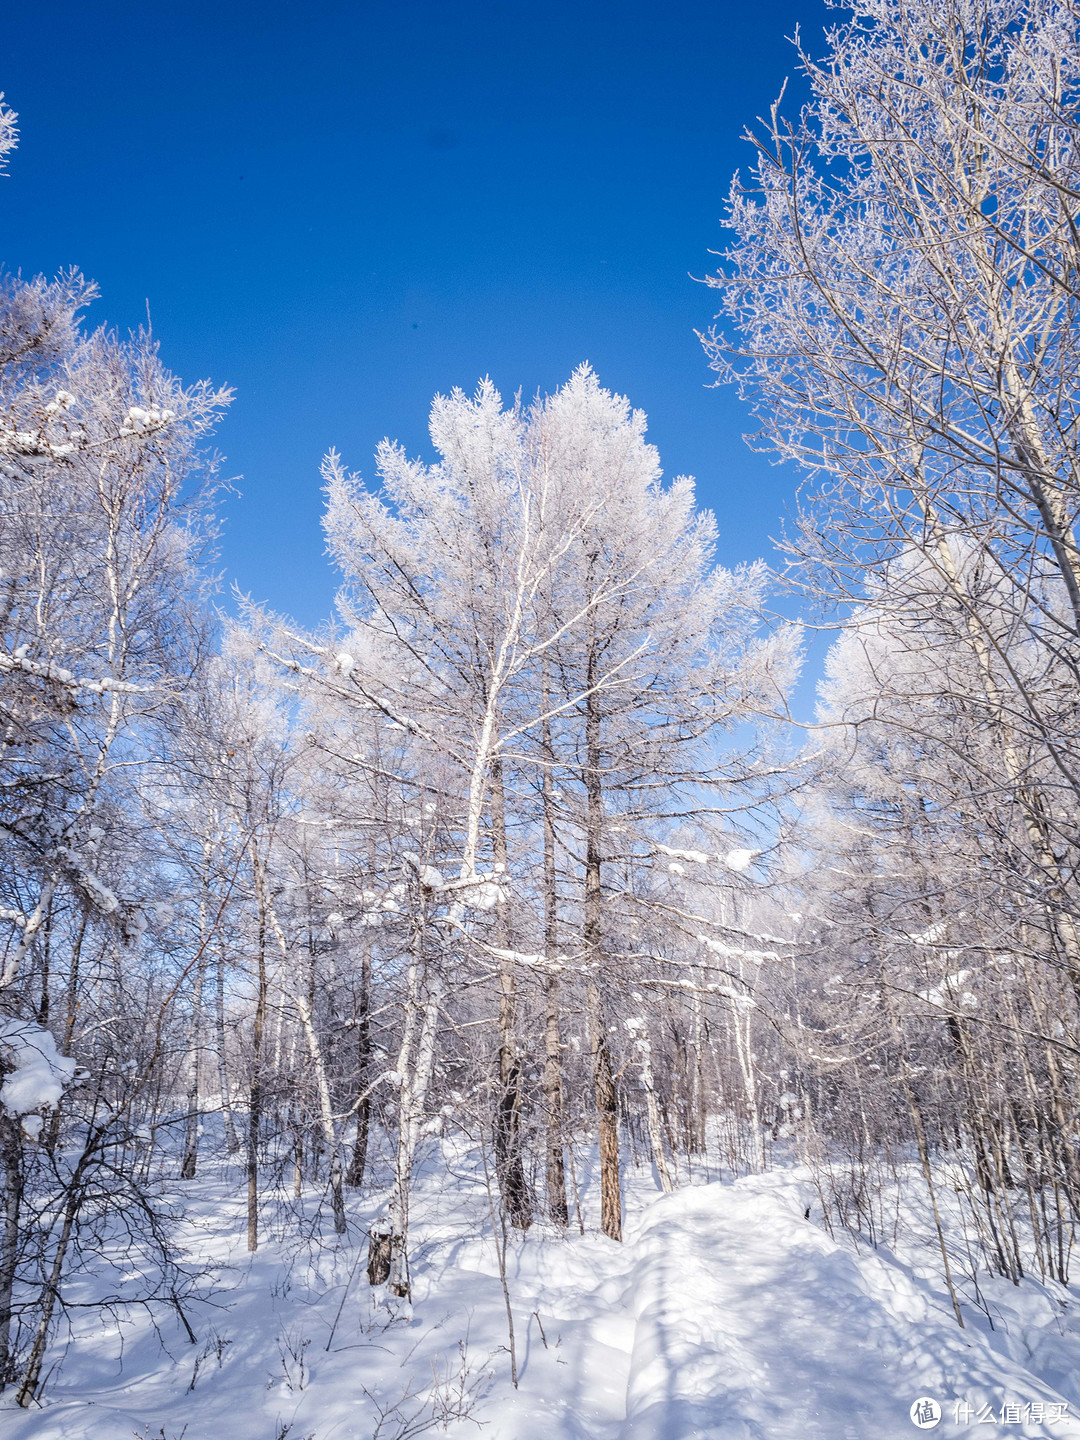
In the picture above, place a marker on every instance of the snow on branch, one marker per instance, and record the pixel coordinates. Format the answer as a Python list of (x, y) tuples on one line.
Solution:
[(732, 952), (34, 1073), (50, 670), (128, 917), (695, 857), (950, 992), (480, 891), (737, 859), (531, 962)]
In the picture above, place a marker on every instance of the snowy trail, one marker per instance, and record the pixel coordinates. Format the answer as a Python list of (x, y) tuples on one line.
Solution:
[(752, 1324), (725, 1316)]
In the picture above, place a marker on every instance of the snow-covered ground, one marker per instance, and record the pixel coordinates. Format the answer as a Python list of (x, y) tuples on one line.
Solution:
[(725, 1314)]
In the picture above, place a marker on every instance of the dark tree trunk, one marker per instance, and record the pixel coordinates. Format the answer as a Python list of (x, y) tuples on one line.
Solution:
[(11, 1163), (507, 1120), (555, 1176), (358, 1160), (28, 1388), (255, 1099), (607, 1109), (379, 1248)]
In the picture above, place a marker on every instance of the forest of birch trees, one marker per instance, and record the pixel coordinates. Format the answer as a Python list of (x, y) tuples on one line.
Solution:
[(531, 844)]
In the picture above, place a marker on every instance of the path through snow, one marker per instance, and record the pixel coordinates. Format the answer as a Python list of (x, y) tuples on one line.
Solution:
[(725, 1316), (752, 1324)]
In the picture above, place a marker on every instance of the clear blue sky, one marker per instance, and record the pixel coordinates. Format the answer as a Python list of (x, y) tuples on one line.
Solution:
[(340, 209)]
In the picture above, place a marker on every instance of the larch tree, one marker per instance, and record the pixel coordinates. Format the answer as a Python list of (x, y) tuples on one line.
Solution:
[(539, 603)]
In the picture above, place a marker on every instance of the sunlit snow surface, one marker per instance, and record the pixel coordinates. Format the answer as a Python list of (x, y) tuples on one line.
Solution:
[(725, 1314)]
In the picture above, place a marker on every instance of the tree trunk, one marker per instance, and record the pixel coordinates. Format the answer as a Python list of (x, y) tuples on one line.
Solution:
[(603, 1077), (379, 1250), (701, 1103), (11, 1161), (232, 1139), (608, 1116), (337, 1198), (45, 952), (652, 1110), (194, 1118), (298, 1157), (326, 1114), (741, 1020), (421, 1027), (513, 1186), (28, 1388), (255, 1098), (305, 1008), (52, 1133), (555, 1175), (358, 1160)]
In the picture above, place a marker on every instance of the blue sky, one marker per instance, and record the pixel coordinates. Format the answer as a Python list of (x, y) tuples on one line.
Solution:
[(341, 209)]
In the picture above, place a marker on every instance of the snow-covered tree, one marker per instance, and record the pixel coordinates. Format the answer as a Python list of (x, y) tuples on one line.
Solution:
[(545, 613)]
